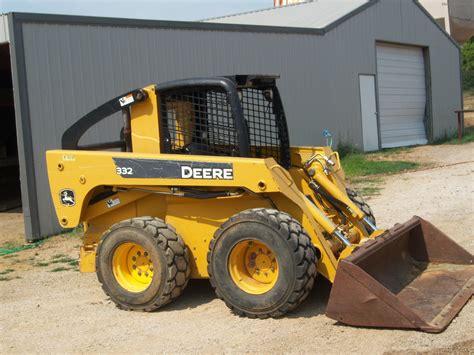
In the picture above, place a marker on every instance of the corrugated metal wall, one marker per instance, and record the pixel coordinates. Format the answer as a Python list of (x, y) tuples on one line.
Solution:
[(4, 29), (72, 68)]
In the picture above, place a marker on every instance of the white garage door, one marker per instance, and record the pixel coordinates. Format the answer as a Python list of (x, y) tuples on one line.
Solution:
[(402, 95)]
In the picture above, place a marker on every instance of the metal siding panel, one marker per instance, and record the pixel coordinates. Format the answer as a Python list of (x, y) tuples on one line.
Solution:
[(22, 119), (4, 34), (401, 115)]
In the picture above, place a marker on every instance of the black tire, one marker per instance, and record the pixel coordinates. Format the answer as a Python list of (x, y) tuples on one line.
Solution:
[(360, 202), (169, 255), (294, 252)]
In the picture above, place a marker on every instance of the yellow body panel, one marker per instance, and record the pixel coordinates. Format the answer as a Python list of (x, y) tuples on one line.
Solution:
[(87, 258), (85, 171), (145, 128)]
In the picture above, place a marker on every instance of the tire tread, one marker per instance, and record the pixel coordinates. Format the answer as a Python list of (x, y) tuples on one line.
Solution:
[(361, 203), (303, 250), (172, 245)]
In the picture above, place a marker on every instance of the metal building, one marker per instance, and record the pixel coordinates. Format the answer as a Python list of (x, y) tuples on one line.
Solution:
[(377, 73)]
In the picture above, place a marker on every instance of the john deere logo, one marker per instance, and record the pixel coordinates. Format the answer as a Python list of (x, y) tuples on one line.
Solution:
[(67, 197)]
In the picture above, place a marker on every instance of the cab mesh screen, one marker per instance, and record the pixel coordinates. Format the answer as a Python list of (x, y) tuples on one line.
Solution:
[(263, 126), (201, 122), (198, 122)]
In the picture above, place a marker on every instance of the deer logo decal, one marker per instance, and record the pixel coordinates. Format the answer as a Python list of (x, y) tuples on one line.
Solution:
[(67, 197)]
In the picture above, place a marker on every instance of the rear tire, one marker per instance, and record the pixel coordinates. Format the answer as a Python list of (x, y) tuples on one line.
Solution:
[(142, 264), (362, 204), (261, 263)]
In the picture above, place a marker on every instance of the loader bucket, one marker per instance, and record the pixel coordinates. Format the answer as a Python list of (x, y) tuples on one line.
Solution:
[(412, 276)]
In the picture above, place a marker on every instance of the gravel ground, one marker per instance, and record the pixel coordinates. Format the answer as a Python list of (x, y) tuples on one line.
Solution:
[(65, 311)]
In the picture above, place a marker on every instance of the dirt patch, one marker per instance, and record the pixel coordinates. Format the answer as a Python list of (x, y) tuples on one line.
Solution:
[(439, 155), (464, 347), (12, 231), (65, 311), (428, 158)]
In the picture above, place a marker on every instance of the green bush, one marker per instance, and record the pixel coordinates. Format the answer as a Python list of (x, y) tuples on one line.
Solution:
[(345, 149), (468, 65)]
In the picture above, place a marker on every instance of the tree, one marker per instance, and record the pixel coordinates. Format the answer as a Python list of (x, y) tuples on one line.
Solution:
[(468, 65)]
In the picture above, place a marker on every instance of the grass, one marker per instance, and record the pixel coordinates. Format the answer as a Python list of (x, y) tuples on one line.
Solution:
[(467, 137), (74, 263), (78, 231), (7, 271), (6, 278), (59, 256), (362, 169), (60, 259), (391, 151), (65, 260), (60, 268), (10, 256), (367, 186), (10, 245), (358, 164), (42, 263)]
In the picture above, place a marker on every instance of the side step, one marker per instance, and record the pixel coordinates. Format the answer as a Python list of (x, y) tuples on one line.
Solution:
[(413, 276)]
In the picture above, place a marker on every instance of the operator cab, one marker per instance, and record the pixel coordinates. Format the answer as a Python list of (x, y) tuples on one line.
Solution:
[(239, 116)]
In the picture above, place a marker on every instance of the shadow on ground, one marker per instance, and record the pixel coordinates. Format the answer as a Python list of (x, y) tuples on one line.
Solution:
[(316, 302), (199, 292)]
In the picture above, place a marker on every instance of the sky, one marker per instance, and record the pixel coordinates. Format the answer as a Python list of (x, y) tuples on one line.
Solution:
[(179, 10)]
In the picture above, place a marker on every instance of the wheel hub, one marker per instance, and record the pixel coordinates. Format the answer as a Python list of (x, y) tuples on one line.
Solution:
[(253, 267), (133, 267), (260, 262)]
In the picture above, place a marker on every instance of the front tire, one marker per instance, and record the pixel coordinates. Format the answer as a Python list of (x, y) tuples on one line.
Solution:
[(142, 264), (262, 263), (362, 204)]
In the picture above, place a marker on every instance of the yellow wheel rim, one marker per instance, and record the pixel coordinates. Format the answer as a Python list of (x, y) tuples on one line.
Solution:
[(253, 267), (132, 267)]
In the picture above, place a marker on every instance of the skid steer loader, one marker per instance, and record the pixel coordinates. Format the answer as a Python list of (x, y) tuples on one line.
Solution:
[(203, 183)]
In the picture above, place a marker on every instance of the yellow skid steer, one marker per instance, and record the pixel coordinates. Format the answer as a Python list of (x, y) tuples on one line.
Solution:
[(202, 183)]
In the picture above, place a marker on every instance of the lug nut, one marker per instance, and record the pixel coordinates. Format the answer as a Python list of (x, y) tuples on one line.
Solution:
[(134, 266), (139, 253), (145, 254), (134, 258)]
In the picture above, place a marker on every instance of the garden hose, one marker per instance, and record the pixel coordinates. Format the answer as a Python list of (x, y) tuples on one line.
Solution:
[(4, 252)]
